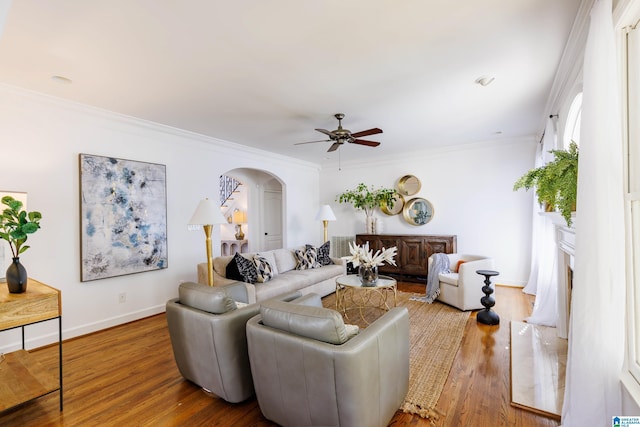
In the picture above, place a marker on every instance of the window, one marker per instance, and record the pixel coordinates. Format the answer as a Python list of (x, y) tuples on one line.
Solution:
[(632, 201), (572, 128)]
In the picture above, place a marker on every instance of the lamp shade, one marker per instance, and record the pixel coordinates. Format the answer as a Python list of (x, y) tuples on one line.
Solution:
[(325, 214), (207, 213), (239, 217)]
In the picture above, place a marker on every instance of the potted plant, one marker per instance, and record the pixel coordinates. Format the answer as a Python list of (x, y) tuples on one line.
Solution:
[(556, 183), (15, 226), (367, 199)]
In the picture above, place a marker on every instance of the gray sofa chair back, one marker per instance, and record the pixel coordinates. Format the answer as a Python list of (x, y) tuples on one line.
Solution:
[(208, 337), (308, 370)]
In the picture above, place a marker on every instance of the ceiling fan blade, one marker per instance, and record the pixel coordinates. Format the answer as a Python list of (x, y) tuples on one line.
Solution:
[(365, 142), (334, 147), (311, 142), (326, 132), (372, 131)]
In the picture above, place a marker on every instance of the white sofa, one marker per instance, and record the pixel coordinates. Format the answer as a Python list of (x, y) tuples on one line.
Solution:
[(462, 287), (321, 280)]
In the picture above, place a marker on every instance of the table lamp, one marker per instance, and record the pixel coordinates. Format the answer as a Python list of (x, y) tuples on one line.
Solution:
[(325, 214), (239, 218), (207, 214)]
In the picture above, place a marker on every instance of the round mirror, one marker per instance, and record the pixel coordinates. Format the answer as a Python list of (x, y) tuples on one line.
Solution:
[(418, 211), (409, 185), (398, 204)]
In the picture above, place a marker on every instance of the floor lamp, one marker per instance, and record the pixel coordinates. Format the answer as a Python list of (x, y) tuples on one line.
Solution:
[(325, 214), (207, 214)]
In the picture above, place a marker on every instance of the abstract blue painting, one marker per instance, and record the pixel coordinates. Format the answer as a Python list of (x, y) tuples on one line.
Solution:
[(124, 217)]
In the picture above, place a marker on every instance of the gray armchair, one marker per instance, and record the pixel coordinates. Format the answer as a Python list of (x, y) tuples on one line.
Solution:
[(208, 337), (308, 369)]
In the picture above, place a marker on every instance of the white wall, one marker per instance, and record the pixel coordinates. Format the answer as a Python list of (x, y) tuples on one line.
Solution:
[(41, 138), (470, 188)]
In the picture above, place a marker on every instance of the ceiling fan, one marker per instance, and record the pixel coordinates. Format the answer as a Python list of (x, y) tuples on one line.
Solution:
[(340, 136)]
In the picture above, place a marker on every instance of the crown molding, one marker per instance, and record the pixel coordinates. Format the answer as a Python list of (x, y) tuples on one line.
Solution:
[(188, 138)]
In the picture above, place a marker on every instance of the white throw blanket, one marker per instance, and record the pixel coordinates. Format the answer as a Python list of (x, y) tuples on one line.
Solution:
[(439, 264)]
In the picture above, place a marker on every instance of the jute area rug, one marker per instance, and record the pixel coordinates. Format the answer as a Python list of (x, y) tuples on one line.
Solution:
[(435, 334)]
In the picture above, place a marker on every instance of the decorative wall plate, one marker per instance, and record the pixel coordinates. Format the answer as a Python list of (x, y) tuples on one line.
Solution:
[(418, 211), (409, 185), (398, 204)]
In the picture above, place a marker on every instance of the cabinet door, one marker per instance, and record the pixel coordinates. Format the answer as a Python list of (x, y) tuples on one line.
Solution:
[(376, 243), (435, 244), (413, 255)]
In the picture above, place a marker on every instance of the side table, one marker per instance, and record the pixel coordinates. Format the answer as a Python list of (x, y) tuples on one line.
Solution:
[(350, 294), (22, 376), (487, 316)]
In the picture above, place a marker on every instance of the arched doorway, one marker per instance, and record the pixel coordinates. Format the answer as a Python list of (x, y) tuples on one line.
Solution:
[(260, 196)]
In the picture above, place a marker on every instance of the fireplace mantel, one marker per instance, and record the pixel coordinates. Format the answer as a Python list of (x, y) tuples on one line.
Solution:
[(565, 241)]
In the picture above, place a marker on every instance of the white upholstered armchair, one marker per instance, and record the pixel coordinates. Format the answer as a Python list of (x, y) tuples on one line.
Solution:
[(462, 288)]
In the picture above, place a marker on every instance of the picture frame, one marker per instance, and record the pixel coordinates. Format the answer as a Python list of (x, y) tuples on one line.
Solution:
[(123, 211), (418, 211)]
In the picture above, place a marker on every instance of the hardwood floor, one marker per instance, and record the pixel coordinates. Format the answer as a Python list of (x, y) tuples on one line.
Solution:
[(126, 376)]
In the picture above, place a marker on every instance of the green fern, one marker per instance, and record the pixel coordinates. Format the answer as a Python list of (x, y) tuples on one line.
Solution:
[(555, 183)]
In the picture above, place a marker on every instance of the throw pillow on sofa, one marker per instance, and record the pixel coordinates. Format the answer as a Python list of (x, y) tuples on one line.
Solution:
[(263, 269), (246, 267), (232, 271), (306, 258), (323, 253)]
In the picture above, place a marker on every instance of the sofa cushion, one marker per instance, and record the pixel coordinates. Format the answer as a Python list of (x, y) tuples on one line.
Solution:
[(247, 268), (449, 278), (263, 269), (285, 260), (319, 323), (205, 298)]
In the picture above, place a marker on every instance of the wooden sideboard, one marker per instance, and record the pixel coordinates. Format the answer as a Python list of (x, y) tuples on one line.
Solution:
[(413, 251)]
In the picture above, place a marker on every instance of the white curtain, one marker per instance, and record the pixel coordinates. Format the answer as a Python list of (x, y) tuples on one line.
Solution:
[(596, 331), (543, 279)]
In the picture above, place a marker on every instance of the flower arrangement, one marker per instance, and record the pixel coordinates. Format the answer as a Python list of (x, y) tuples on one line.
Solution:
[(362, 255)]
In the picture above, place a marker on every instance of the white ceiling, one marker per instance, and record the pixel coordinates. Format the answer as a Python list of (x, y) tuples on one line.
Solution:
[(267, 73)]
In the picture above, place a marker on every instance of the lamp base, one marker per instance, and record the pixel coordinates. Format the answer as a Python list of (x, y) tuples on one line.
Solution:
[(239, 233)]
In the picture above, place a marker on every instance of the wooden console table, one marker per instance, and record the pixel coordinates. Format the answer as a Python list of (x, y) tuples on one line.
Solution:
[(414, 251), (22, 377)]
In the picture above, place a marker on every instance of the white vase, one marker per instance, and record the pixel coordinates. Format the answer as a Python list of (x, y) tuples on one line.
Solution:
[(370, 225)]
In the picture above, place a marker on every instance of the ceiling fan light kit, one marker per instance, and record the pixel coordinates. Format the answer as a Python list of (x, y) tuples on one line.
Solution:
[(341, 136)]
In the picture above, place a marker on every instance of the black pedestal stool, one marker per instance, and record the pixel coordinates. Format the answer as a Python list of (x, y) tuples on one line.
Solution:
[(487, 316)]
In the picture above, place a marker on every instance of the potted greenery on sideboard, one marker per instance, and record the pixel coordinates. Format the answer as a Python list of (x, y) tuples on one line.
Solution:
[(368, 199), (556, 183), (15, 226)]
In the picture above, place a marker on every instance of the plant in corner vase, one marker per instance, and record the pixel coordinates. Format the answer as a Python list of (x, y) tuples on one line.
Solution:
[(368, 199), (15, 226), (368, 262), (556, 183)]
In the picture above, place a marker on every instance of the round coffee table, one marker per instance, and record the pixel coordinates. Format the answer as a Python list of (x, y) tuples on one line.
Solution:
[(350, 294)]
